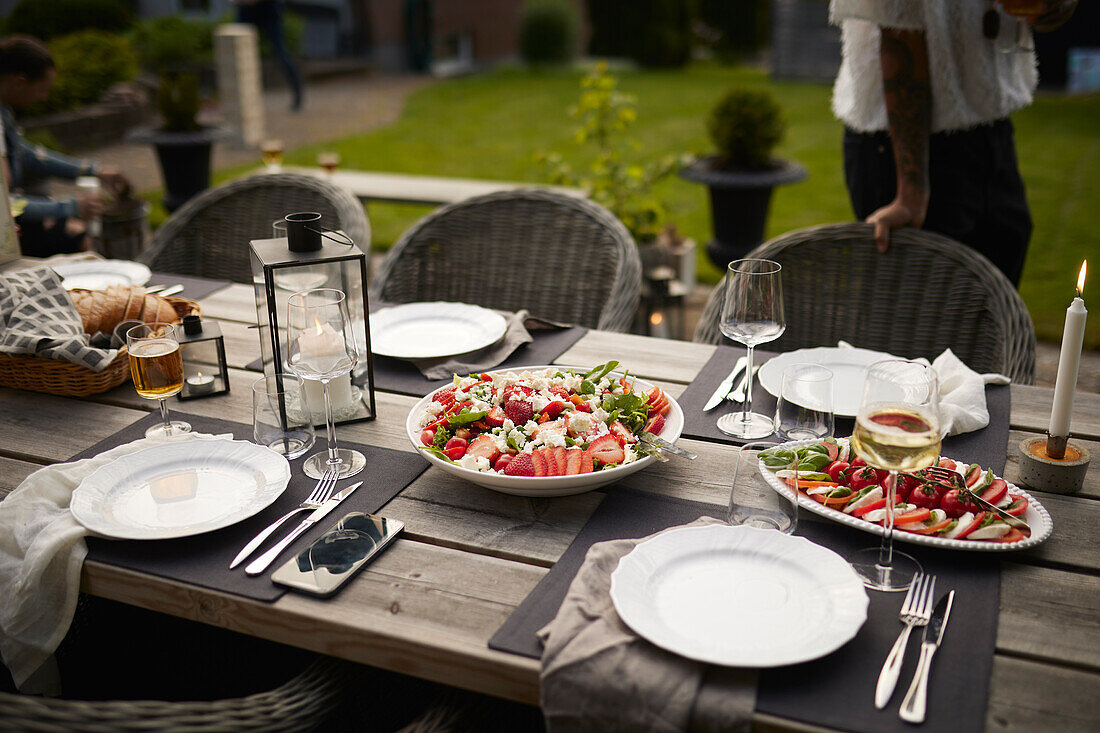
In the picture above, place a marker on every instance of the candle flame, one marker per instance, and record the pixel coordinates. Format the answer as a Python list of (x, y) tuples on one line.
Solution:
[(656, 318), (1081, 278), (317, 320), (198, 375)]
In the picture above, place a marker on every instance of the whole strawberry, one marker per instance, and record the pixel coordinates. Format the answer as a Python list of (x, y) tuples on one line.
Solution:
[(518, 411)]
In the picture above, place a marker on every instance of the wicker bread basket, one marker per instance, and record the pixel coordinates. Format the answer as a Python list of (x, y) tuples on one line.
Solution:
[(39, 374)]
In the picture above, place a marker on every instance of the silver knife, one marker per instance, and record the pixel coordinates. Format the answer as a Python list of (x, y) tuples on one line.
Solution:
[(725, 386), (738, 395), (915, 703), (260, 564)]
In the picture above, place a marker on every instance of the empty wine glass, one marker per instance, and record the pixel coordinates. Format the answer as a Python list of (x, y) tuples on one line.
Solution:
[(156, 366), (320, 347), (804, 410), (897, 429), (752, 314), (1019, 10)]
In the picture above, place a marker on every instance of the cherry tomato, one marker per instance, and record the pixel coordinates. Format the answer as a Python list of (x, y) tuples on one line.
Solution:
[(427, 437), (924, 495), (862, 477), (951, 504), (881, 475), (835, 470), (463, 433), (857, 461), (905, 486), (455, 448)]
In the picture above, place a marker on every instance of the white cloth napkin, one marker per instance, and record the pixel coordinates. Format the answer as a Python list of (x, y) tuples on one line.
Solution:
[(520, 324), (42, 550), (963, 407), (599, 676)]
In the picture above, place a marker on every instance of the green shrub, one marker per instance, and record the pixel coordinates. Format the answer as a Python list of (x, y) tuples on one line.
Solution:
[(655, 33), (548, 31), (743, 26), (47, 19), (174, 43), (88, 63), (745, 126)]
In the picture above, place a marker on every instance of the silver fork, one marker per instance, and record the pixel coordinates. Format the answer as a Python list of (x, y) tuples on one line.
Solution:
[(320, 494), (738, 395), (915, 611)]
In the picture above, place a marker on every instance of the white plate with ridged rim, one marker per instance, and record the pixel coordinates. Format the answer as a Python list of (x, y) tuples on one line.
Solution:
[(1035, 515), (545, 486), (101, 274), (739, 596), (848, 365), (179, 489), (434, 330)]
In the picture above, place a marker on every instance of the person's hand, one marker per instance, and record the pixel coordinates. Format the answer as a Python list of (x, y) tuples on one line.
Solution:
[(89, 205), (897, 213), (112, 180), (1055, 13)]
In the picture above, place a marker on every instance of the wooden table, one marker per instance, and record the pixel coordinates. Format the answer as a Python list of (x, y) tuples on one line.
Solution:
[(428, 605)]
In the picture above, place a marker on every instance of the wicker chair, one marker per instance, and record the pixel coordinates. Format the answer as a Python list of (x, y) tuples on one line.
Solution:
[(925, 294), (561, 258), (208, 236)]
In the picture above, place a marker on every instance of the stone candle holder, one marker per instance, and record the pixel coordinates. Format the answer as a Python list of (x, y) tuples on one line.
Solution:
[(1056, 475)]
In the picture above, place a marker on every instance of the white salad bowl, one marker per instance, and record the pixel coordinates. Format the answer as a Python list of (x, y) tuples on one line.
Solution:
[(545, 485)]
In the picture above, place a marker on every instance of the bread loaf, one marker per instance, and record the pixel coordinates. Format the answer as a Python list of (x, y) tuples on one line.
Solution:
[(103, 310)]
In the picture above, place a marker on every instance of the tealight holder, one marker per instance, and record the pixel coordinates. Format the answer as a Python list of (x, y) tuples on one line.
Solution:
[(305, 260), (205, 371), (1057, 475)]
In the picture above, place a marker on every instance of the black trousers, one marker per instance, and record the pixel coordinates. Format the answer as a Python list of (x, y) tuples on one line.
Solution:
[(977, 193)]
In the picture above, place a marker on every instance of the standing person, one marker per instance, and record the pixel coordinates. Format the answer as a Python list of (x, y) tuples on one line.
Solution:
[(267, 16), (46, 226), (925, 94)]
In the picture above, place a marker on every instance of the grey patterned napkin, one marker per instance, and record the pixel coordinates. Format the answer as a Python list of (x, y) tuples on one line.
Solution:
[(520, 324), (37, 317)]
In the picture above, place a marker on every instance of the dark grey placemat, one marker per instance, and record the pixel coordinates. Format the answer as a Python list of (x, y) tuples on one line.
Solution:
[(838, 690), (194, 288), (204, 559)]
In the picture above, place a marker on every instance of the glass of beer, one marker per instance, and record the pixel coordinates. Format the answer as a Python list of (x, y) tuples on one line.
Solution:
[(1021, 10), (329, 161), (157, 368), (272, 151)]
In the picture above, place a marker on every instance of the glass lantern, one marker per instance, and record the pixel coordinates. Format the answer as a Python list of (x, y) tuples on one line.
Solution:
[(278, 273), (205, 371)]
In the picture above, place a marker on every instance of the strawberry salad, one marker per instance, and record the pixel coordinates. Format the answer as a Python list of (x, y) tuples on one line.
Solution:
[(831, 474), (544, 422)]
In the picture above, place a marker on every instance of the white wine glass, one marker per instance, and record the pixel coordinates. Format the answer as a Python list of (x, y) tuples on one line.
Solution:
[(752, 313), (897, 429), (321, 347), (156, 366), (1020, 10)]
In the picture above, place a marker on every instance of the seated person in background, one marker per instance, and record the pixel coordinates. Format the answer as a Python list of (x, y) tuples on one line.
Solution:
[(47, 226)]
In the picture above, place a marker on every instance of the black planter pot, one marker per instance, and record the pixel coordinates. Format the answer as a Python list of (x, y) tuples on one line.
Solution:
[(739, 202), (184, 159)]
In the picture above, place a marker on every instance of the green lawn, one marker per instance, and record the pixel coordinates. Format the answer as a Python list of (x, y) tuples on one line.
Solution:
[(491, 125)]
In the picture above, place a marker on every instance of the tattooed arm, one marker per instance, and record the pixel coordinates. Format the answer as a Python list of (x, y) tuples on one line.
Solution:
[(908, 92)]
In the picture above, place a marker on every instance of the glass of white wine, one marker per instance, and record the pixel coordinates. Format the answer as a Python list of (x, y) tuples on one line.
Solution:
[(897, 429), (752, 313), (156, 366)]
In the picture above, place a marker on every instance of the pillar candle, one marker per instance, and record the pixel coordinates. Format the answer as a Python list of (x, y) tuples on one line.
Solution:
[(1069, 361)]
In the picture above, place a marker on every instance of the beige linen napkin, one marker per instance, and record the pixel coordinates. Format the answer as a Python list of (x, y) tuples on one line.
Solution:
[(963, 407), (42, 549), (599, 676), (517, 334)]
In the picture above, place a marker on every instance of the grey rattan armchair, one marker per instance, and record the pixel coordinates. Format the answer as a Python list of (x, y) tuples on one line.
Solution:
[(208, 236), (560, 257), (925, 294)]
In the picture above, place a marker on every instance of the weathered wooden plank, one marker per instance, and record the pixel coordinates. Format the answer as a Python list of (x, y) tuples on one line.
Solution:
[(234, 303), (1072, 543), (1026, 696), (1049, 615), (672, 361), (12, 473), (49, 428), (1031, 411)]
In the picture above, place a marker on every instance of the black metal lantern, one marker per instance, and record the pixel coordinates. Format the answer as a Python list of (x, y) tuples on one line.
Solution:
[(205, 371), (284, 266)]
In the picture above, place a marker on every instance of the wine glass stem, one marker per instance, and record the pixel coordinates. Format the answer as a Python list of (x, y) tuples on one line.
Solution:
[(886, 550), (333, 450), (164, 416), (746, 406)]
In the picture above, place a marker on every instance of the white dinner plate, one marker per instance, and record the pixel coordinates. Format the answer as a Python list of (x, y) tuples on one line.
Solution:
[(544, 486), (1035, 515), (434, 330), (739, 596), (178, 489), (100, 274), (848, 365)]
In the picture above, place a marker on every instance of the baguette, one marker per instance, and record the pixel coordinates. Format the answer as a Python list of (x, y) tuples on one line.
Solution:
[(103, 310)]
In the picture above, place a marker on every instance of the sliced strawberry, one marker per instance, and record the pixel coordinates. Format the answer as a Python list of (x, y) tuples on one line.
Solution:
[(573, 459), (560, 460), (521, 465), (483, 446), (496, 417), (501, 463), (553, 409), (655, 425), (444, 396), (539, 460), (586, 462), (606, 449), (518, 411), (622, 432)]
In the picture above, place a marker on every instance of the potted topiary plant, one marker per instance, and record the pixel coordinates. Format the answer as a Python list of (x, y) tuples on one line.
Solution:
[(175, 49), (745, 126)]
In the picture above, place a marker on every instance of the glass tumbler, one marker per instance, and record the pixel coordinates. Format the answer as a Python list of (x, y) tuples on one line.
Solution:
[(805, 407), (753, 501), (281, 418)]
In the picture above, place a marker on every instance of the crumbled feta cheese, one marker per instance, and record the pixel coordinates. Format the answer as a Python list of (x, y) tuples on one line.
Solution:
[(581, 423), (476, 463)]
